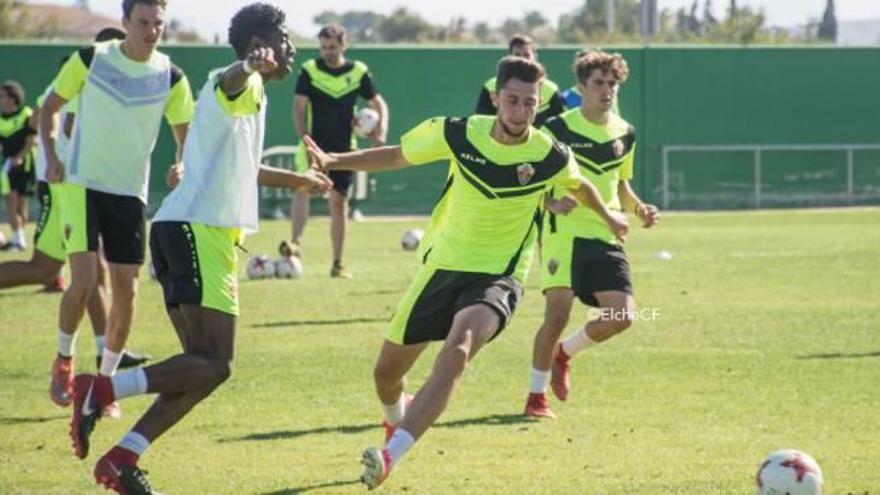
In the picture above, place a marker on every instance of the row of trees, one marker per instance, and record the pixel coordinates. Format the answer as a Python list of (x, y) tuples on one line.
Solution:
[(586, 24)]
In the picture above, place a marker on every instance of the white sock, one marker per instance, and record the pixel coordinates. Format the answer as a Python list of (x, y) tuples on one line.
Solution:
[(20, 238), (109, 362), (66, 343), (577, 342), (394, 413), (539, 380), (135, 442), (99, 344), (399, 444), (129, 383)]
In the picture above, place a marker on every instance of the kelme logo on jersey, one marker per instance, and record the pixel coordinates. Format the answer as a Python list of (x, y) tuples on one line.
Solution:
[(524, 173), (552, 266), (576, 146), (617, 148), (471, 158)]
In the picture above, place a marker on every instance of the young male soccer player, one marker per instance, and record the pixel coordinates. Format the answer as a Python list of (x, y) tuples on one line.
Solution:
[(123, 88), (470, 282), (550, 103), (17, 130), (193, 242), (326, 93), (580, 255)]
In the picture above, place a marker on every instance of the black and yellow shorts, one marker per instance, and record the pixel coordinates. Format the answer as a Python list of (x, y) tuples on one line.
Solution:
[(87, 215), (48, 237), (196, 264), (585, 266), (434, 297)]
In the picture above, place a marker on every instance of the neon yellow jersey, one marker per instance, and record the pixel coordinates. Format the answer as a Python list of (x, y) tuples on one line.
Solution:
[(605, 154), (488, 218)]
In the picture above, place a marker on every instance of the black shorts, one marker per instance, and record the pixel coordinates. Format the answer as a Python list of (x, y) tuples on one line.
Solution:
[(597, 266), (427, 309), (118, 220), (342, 180), (23, 179)]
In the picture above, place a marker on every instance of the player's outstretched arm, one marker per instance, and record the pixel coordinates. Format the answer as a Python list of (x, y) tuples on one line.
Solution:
[(647, 213), (371, 160), (279, 177), (588, 196)]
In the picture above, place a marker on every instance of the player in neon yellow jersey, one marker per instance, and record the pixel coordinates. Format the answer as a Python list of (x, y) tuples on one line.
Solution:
[(471, 279), (580, 256)]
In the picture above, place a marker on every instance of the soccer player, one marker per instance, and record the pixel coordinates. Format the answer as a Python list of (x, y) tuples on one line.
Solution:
[(326, 93), (17, 130), (470, 282), (551, 101), (194, 238), (580, 255), (123, 89)]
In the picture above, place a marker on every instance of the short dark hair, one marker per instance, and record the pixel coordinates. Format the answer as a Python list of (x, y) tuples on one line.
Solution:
[(257, 19), (519, 40), (14, 90), (523, 69), (110, 33), (128, 5), (334, 31), (606, 62)]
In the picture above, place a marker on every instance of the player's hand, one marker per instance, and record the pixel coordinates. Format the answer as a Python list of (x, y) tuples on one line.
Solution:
[(562, 206), (648, 214), (318, 158), (54, 169), (378, 136), (317, 182), (174, 175), (619, 225), (262, 60)]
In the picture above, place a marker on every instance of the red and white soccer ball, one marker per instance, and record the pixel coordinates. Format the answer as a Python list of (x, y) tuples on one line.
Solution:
[(365, 121), (410, 239), (789, 472), (288, 267), (260, 266)]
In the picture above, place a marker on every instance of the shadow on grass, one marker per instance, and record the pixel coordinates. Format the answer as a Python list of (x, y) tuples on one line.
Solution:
[(33, 420), (304, 489), (298, 323), (494, 419), (841, 355), (381, 292)]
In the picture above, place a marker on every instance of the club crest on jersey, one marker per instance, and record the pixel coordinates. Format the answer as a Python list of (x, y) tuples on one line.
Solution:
[(524, 173), (552, 266), (617, 148)]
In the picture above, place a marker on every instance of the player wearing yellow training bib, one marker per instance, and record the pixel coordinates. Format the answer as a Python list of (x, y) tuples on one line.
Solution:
[(580, 255), (481, 240)]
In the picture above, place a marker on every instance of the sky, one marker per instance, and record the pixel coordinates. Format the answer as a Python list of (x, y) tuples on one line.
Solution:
[(214, 20)]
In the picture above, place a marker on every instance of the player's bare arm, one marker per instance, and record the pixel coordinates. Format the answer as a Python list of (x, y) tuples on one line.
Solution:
[(279, 177), (371, 160), (380, 133), (48, 117), (587, 195), (649, 214)]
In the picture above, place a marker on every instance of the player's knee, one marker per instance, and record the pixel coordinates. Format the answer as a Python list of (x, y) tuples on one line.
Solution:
[(455, 359), (556, 320), (624, 321), (384, 373), (222, 372)]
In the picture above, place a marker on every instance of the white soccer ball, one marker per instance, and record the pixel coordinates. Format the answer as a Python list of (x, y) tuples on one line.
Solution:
[(288, 267), (260, 266), (411, 239), (365, 121), (789, 472)]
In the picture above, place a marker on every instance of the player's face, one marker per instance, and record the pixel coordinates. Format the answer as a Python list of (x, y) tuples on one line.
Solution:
[(517, 104), (284, 52), (525, 51), (7, 103), (599, 90), (144, 27), (331, 50)]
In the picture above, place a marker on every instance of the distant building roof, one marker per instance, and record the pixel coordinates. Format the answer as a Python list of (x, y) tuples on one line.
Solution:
[(58, 22)]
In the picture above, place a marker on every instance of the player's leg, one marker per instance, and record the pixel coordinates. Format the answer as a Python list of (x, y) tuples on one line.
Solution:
[(389, 376), (13, 217), (557, 307), (616, 311), (22, 208), (338, 205), (299, 214), (40, 269)]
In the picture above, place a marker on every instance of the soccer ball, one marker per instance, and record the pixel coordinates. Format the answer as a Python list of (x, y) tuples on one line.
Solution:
[(411, 239), (365, 121), (260, 266), (789, 472), (288, 267)]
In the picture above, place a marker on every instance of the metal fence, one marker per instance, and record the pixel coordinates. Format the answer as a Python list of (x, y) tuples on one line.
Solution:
[(766, 176)]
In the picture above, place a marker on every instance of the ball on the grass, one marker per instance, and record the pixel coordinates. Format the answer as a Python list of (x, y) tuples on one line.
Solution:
[(789, 472), (410, 239), (260, 266), (288, 267)]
